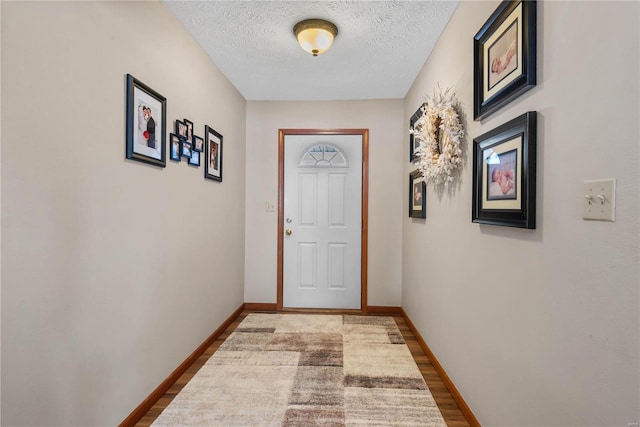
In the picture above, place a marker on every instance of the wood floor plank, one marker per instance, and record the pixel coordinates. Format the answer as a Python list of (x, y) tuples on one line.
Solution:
[(448, 407)]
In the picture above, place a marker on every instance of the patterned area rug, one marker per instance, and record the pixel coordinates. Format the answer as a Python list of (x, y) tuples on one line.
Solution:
[(307, 370)]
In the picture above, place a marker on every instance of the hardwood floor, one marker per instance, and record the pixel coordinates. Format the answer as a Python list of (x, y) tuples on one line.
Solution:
[(448, 407), (443, 398)]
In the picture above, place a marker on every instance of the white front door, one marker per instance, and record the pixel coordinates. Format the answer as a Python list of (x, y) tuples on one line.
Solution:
[(322, 221)]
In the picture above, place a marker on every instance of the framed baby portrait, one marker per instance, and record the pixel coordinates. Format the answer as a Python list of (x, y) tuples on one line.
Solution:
[(504, 174), (504, 57), (212, 154), (417, 190), (146, 124)]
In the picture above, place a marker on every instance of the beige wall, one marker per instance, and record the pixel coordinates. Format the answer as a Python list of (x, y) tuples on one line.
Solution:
[(0, 211), (540, 327), (114, 271), (385, 123)]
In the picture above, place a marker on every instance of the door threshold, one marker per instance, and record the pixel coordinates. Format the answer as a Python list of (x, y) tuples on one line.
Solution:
[(322, 310)]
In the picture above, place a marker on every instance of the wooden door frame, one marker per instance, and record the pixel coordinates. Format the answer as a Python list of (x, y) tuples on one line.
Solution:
[(364, 211)]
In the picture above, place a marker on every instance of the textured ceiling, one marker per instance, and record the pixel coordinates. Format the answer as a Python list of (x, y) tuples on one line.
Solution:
[(380, 48)]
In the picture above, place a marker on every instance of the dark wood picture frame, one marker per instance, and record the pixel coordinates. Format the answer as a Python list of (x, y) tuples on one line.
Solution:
[(175, 147), (520, 210), (212, 160), (508, 72), (145, 141), (414, 142), (417, 195)]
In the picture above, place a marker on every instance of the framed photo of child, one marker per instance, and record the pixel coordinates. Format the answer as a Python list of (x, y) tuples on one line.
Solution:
[(195, 158), (504, 56), (504, 174), (198, 143), (146, 124), (182, 130), (189, 133), (176, 147), (186, 149), (212, 154)]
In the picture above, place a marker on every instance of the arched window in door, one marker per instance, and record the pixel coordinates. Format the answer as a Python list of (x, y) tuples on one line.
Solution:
[(323, 155)]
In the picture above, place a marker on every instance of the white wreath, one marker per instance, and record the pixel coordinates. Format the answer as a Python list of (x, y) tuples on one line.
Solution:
[(440, 134)]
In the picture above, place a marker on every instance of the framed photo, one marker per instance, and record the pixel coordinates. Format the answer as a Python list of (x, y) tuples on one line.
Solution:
[(213, 154), (176, 149), (414, 142), (181, 130), (198, 143), (186, 149), (504, 174), (504, 53), (417, 195), (195, 158), (146, 124), (189, 126)]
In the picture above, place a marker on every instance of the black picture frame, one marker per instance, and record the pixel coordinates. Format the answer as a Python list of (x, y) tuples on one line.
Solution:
[(417, 195), (198, 143), (497, 201), (145, 138), (189, 125), (175, 147), (195, 158), (185, 148), (213, 154), (504, 57), (181, 130), (414, 142)]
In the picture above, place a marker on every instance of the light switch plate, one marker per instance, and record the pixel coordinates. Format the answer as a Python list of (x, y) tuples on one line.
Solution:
[(599, 200), (269, 207)]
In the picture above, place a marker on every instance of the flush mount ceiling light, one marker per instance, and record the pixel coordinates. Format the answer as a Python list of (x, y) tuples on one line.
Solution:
[(315, 35)]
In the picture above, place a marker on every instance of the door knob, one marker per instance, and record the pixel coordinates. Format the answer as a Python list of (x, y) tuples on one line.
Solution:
[(288, 232)]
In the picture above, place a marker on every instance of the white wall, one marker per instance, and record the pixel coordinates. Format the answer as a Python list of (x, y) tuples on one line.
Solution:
[(114, 271), (540, 327), (386, 152)]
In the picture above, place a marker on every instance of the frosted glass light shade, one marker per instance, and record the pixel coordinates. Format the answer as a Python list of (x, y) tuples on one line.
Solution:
[(315, 35)]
